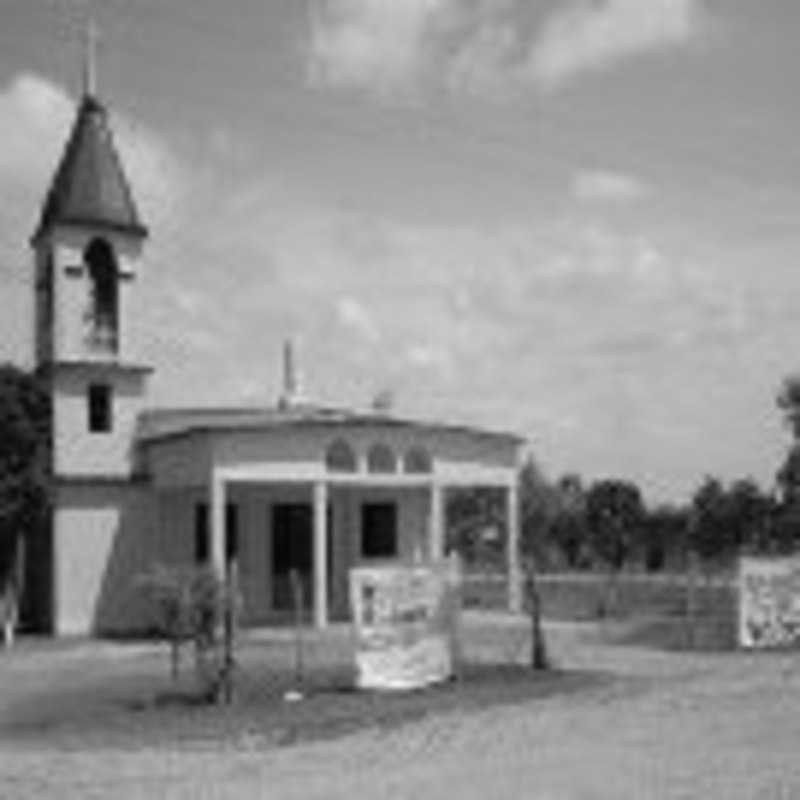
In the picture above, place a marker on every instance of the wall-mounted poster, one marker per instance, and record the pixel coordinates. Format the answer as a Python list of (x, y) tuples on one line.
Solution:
[(769, 602), (405, 621)]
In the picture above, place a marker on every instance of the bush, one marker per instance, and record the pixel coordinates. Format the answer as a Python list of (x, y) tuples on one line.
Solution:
[(190, 604)]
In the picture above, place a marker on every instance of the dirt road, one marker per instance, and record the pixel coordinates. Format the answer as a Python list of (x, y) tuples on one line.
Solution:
[(678, 726)]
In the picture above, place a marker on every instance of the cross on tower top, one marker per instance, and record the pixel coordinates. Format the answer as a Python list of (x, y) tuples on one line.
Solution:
[(90, 58)]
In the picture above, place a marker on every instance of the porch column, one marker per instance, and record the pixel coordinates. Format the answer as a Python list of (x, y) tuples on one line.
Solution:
[(217, 507), (436, 522), (320, 554), (512, 549)]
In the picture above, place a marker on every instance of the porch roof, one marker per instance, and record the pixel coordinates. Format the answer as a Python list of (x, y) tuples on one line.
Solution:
[(169, 423)]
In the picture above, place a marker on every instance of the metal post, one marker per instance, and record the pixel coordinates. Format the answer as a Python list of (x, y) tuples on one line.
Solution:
[(512, 550)]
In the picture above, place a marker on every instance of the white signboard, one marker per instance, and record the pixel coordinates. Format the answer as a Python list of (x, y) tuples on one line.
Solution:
[(405, 622), (769, 602)]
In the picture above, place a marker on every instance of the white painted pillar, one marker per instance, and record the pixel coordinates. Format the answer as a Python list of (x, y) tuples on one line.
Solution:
[(512, 549), (320, 554), (217, 515), (436, 531)]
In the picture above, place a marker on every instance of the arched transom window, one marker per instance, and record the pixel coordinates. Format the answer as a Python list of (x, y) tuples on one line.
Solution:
[(417, 460), (381, 458), (339, 457)]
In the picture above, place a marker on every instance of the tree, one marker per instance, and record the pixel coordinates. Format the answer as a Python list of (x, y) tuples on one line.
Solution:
[(725, 520), (707, 528), (24, 473), (788, 401), (788, 477), (191, 604), (614, 513), (784, 534), (784, 531), (475, 520), (537, 507), (568, 531), (750, 514), (664, 535)]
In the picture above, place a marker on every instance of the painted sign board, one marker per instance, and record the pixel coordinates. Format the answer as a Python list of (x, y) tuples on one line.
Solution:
[(769, 602), (405, 621)]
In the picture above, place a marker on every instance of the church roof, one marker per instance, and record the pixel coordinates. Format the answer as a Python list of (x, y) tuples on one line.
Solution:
[(159, 424), (89, 186)]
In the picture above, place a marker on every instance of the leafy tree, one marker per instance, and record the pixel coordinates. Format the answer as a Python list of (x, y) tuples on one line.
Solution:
[(190, 604), (568, 531), (788, 401), (614, 513), (24, 471), (711, 535), (538, 509), (537, 506), (788, 476), (475, 518), (664, 534), (785, 532), (750, 514)]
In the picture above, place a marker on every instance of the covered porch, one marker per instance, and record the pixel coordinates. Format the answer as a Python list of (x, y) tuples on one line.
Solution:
[(318, 500)]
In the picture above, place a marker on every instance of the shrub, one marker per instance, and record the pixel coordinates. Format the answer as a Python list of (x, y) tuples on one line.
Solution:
[(190, 604)]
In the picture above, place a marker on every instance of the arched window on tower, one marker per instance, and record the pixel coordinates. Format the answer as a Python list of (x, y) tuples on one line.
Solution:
[(104, 321)]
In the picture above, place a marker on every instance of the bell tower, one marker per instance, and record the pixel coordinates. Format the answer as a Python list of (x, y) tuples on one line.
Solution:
[(88, 248)]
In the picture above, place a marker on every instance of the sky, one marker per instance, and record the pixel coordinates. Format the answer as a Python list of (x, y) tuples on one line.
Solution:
[(572, 219)]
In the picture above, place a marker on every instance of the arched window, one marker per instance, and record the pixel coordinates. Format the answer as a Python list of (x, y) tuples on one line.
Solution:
[(380, 458), (417, 460), (339, 457), (102, 266)]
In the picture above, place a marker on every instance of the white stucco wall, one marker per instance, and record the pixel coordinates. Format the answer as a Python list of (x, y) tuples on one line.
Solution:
[(297, 452), (180, 462), (77, 451), (102, 536)]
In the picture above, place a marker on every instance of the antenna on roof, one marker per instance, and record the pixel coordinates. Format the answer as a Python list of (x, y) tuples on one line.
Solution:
[(291, 392), (383, 402), (91, 37)]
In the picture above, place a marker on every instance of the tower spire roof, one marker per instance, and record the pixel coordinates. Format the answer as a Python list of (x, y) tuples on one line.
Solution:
[(89, 187)]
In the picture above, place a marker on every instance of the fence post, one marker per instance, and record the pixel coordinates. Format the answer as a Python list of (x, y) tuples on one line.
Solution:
[(297, 599)]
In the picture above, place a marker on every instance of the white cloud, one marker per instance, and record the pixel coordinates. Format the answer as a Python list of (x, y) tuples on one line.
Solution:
[(35, 120), (606, 186), (376, 43), (489, 47), (354, 316), (433, 357), (33, 112), (586, 35)]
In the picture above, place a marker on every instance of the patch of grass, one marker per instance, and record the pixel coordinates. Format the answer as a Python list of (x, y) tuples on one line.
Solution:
[(707, 633), (122, 713)]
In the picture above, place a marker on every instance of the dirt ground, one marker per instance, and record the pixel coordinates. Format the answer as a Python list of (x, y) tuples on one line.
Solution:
[(660, 725)]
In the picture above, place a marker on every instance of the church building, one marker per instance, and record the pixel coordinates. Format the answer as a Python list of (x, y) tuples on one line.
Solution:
[(294, 486)]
